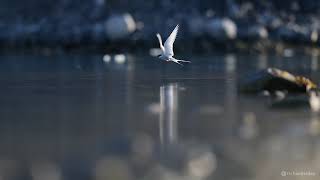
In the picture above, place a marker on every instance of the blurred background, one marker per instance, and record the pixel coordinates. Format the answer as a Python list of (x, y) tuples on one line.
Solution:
[(83, 97), (118, 25)]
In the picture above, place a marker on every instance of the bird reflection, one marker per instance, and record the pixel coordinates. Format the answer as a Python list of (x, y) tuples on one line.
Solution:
[(168, 113), (314, 62), (182, 159), (314, 124)]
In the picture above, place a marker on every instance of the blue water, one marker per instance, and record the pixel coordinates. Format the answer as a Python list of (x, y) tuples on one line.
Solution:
[(80, 117)]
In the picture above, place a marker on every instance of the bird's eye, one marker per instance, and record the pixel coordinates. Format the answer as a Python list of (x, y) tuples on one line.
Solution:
[(159, 55)]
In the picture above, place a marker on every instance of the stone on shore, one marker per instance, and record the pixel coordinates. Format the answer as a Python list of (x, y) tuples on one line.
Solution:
[(120, 26), (273, 80), (222, 29)]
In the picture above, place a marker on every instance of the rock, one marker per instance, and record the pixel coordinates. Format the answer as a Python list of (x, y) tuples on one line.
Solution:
[(257, 32), (314, 36), (297, 33), (222, 29), (286, 90), (253, 33), (120, 26), (270, 20), (314, 100), (273, 80)]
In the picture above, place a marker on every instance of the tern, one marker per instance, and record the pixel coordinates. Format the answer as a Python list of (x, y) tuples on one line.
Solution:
[(167, 48)]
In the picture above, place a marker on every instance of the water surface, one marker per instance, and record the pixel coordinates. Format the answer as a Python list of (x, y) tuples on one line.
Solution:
[(80, 117)]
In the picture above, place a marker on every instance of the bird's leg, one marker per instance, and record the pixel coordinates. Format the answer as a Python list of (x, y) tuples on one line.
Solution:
[(175, 60), (178, 63), (178, 60), (183, 61)]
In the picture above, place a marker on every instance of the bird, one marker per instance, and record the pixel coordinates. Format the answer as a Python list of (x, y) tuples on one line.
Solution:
[(167, 48)]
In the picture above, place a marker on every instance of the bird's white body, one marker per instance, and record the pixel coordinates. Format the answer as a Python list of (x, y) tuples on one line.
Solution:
[(167, 47)]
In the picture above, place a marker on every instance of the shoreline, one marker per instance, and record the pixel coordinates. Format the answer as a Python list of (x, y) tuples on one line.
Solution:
[(279, 48)]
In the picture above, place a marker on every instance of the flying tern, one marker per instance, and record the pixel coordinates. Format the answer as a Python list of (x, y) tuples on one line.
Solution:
[(167, 48)]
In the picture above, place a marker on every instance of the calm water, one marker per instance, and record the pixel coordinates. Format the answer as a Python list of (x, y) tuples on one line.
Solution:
[(80, 117)]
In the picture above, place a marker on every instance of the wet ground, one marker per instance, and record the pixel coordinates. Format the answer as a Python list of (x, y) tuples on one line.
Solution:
[(135, 117)]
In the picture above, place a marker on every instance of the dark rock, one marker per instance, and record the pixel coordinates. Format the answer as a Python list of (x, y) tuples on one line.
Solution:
[(270, 20), (273, 80), (253, 33), (297, 33)]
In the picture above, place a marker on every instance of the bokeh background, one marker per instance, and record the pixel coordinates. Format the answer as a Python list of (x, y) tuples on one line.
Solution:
[(132, 24)]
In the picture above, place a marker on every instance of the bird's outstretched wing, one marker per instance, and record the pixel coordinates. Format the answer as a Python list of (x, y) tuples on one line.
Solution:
[(160, 41), (168, 45)]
